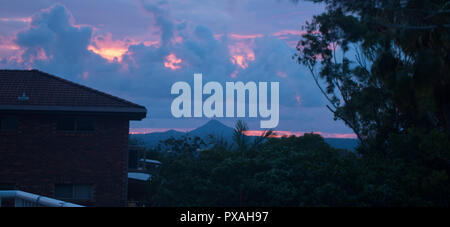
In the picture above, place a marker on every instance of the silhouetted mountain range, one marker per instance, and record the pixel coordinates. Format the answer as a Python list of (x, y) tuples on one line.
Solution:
[(219, 130)]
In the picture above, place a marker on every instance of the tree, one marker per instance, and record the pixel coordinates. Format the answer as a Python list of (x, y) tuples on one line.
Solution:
[(397, 77), (242, 141)]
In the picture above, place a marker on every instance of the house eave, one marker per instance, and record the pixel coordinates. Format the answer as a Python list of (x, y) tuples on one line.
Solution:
[(132, 113)]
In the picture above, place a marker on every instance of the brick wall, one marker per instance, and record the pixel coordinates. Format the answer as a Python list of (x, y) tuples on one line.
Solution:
[(37, 156)]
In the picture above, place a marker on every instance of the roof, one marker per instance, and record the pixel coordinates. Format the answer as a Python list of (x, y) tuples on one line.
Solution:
[(33, 90), (139, 176), (150, 161)]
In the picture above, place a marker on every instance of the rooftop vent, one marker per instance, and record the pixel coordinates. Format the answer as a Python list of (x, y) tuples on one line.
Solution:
[(24, 97)]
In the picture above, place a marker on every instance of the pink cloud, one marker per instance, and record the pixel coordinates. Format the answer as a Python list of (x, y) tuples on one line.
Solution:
[(16, 19), (234, 74), (241, 54), (279, 134), (240, 36), (289, 32), (110, 49), (8, 48), (172, 62), (281, 74)]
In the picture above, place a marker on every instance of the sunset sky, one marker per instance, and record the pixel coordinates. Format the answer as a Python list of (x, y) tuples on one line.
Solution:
[(137, 49)]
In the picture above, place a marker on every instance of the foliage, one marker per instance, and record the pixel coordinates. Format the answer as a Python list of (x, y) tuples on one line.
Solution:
[(385, 65), (305, 171)]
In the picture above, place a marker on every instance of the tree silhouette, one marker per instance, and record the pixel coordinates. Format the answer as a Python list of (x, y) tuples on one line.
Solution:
[(385, 65)]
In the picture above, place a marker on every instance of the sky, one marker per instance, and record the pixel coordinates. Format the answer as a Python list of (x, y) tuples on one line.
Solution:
[(136, 50)]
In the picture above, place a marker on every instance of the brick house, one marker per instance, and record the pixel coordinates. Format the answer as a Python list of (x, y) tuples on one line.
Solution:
[(63, 140)]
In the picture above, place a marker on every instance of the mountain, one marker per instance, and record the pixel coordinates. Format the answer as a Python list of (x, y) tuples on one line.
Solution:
[(213, 127), (152, 139), (219, 130)]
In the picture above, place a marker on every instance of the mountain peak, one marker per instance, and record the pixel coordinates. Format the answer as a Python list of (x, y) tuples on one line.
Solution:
[(212, 127), (214, 122)]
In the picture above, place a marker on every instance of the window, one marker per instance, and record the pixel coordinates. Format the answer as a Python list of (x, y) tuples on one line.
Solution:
[(74, 191), (9, 124), (82, 192), (85, 124), (66, 124), (64, 191), (75, 124)]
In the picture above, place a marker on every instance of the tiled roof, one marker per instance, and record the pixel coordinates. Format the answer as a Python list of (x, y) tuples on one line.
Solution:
[(38, 89)]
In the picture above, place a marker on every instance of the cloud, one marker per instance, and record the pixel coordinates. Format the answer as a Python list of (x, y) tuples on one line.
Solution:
[(161, 19), (143, 69), (52, 42), (109, 48), (15, 19)]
